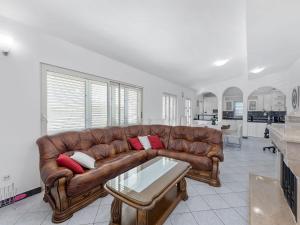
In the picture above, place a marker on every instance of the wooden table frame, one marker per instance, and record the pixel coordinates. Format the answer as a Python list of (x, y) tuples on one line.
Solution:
[(142, 211)]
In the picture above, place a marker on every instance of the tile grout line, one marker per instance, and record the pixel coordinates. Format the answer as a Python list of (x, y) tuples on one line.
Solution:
[(45, 218), (97, 211)]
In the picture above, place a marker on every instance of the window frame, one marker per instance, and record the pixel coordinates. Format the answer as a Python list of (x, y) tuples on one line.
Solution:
[(235, 109), (165, 94), (89, 78), (188, 111), (252, 105), (140, 109)]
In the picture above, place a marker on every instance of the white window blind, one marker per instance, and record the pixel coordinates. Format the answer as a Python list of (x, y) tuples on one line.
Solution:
[(169, 109), (188, 111), (126, 104), (65, 103), (74, 100), (98, 104), (238, 109), (115, 104), (122, 106)]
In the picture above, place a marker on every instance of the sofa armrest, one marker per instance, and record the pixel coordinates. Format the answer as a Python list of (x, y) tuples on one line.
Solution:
[(216, 151), (50, 172)]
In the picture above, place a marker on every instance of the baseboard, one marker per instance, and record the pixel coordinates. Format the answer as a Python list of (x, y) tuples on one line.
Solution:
[(24, 195)]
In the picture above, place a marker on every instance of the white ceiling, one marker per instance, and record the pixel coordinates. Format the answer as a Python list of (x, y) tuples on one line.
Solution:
[(273, 34), (175, 39)]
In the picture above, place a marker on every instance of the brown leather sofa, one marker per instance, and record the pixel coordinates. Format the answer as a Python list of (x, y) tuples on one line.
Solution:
[(67, 192)]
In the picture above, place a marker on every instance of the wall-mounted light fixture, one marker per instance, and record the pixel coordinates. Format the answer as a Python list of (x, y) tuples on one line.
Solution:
[(6, 43)]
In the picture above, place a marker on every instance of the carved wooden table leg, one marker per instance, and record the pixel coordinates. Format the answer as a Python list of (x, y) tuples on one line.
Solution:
[(182, 188), (116, 212), (142, 217)]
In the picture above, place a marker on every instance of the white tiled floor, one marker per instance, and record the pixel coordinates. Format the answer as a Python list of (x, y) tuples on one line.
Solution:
[(227, 205)]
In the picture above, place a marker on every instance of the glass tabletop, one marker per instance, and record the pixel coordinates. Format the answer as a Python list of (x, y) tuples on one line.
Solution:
[(145, 182)]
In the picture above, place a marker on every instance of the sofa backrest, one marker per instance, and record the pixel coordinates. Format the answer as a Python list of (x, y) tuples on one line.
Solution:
[(105, 142), (99, 143), (162, 131), (108, 141), (195, 140)]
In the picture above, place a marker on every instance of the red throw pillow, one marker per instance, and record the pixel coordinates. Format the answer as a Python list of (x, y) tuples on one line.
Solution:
[(155, 142), (66, 161), (135, 143)]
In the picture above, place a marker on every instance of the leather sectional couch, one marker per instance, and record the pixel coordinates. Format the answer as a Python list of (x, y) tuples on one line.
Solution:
[(67, 192)]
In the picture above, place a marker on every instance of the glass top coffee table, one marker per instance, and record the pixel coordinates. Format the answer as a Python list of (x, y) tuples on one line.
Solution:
[(153, 189)]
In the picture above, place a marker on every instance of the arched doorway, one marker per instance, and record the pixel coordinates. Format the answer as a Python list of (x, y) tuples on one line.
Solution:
[(266, 105), (207, 108), (232, 104)]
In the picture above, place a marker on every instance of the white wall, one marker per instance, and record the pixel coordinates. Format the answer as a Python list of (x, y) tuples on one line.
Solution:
[(20, 91)]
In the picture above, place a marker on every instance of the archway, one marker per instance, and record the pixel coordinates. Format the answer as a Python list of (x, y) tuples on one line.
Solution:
[(232, 104), (266, 105), (264, 102), (207, 107)]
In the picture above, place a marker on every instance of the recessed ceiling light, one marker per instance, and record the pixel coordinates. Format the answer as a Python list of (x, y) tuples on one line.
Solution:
[(221, 62), (257, 70)]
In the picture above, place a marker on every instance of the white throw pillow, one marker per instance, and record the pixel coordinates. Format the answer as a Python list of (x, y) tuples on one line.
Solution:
[(145, 142), (84, 160)]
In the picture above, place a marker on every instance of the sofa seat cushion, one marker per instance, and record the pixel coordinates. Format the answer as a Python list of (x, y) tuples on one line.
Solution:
[(106, 169), (196, 161), (151, 153)]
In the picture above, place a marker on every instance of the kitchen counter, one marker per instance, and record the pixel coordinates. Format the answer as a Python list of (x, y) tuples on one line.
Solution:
[(256, 129), (257, 121), (262, 121), (202, 119)]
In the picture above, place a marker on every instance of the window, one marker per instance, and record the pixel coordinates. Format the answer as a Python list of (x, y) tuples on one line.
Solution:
[(97, 96), (229, 106), (252, 105), (238, 109), (169, 112), (73, 100), (126, 104), (188, 111), (65, 102)]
